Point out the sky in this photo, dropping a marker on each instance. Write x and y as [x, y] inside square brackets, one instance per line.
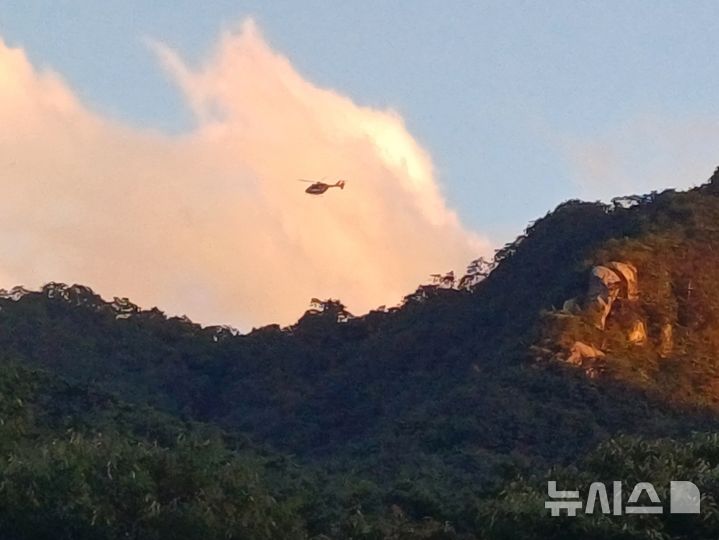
[153, 145]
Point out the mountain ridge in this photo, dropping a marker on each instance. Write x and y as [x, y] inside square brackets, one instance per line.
[432, 408]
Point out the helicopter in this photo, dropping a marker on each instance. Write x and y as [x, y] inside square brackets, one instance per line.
[318, 188]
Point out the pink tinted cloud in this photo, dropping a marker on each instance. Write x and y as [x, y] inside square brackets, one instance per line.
[212, 223]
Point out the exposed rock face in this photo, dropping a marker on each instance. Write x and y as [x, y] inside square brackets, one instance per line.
[627, 273]
[581, 352]
[606, 284]
[603, 290]
[638, 333]
[603, 282]
[609, 284]
[613, 289]
[571, 306]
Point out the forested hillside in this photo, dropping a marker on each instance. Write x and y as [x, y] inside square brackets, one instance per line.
[592, 346]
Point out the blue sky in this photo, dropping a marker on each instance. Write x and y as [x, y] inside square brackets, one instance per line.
[501, 93]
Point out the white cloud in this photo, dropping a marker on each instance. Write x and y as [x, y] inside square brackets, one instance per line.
[212, 223]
